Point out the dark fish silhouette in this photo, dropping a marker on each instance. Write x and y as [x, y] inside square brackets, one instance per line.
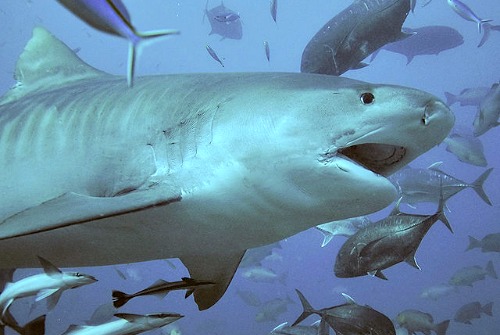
[267, 51]
[160, 288]
[225, 28]
[386, 243]
[429, 40]
[349, 318]
[212, 53]
[274, 9]
[353, 34]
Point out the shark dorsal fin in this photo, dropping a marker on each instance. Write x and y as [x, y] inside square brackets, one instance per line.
[46, 62]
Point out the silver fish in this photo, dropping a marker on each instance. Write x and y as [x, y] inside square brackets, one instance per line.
[464, 11]
[212, 53]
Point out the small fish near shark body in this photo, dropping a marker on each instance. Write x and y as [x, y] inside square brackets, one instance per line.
[161, 151]
[112, 17]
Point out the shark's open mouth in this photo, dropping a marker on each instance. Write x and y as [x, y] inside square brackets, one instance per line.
[378, 158]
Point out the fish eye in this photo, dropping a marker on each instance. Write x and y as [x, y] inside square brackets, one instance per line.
[367, 98]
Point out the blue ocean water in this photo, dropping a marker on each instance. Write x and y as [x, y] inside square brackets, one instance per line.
[308, 266]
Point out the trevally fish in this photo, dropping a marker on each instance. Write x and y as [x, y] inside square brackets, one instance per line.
[465, 12]
[273, 8]
[468, 275]
[128, 324]
[353, 34]
[50, 284]
[488, 112]
[422, 185]
[467, 97]
[112, 17]
[428, 40]
[489, 243]
[267, 51]
[436, 292]
[225, 28]
[349, 318]
[347, 227]
[160, 288]
[466, 148]
[197, 166]
[472, 310]
[416, 321]
[385, 243]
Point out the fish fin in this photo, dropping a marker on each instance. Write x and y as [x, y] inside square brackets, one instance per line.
[50, 292]
[74, 328]
[477, 186]
[327, 237]
[129, 316]
[403, 35]
[216, 268]
[490, 270]
[374, 54]
[441, 327]
[349, 299]
[378, 274]
[450, 98]
[488, 309]
[480, 24]
[360, 65]
[435, 166]
[412, 260]
[45, 63]
[366, 250]
[486, 35]
[49, 268]
[409, 58]
[188, 293]
[473, 243]
[396, 210]
[306, 306]
[135, 48]
[120, 298]
[72, 209]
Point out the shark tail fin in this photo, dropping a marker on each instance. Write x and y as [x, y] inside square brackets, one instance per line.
[477, 186]
[120, 298]
[308, 310]
[473, 243]
[490, 270]
[488, 309]
[135, 47]
[442, 327]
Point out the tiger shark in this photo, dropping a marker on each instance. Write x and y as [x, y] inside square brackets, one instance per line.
[196, 166]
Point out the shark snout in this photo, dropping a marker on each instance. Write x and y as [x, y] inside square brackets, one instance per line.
[437, 112]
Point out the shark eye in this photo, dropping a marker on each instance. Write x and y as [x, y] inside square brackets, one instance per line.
[367, 98]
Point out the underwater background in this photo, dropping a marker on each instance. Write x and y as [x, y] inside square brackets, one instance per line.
[300, 262]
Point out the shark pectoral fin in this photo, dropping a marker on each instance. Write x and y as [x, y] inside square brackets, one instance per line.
[218, 269]
[72, 208]
[52, 295]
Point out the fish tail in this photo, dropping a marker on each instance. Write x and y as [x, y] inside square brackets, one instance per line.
[480, 24]
[441, 215]
[450, 98]
[473, 243]
[488, 309]
[490, 270]
[135, 48]
[477, 186]
[308, 310]
[442, 327]
[120, 298]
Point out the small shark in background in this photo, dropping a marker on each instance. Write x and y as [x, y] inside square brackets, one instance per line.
[112, 17]
[160, 288]
[464, 11]
[52, 283]
[127, 324]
